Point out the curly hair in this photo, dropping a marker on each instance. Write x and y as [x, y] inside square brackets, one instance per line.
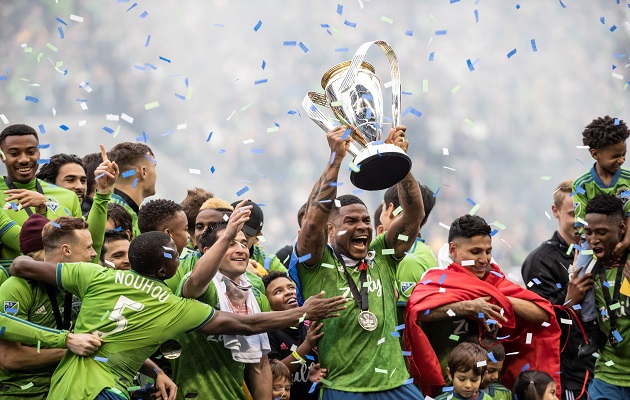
[48, 172]
[605, 204]
[154, 215]
[467, 227]
[120, 217]
[146, 252]
[606, 131]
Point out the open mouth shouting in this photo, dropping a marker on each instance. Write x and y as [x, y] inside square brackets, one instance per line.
[360, 242]
[291, 301]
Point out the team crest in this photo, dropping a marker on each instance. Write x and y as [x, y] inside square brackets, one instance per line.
[623, 193]
[52, 203]
[404, 286]
[11, 307]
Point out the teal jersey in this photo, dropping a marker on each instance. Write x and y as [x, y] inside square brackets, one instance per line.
[121, 199]
[450, 395]
[60, 202]
[497, 391]
[358, 360]
[590, 185]
[29, 301]
[206, 369]
[269, 261]
[133, 315]
[16, 329]
[613, 362]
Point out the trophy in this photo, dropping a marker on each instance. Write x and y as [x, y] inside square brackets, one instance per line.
[353, 92]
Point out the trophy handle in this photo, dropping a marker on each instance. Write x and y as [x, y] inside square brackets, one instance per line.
[320, 118]
[393, 66]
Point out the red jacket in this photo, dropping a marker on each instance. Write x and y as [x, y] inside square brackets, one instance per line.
[542, 354]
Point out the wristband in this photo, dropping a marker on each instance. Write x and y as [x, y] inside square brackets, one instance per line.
[298, 357]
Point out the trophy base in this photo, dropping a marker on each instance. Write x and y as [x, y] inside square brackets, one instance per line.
[381, 167]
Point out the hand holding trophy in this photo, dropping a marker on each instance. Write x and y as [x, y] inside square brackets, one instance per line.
[353, 92]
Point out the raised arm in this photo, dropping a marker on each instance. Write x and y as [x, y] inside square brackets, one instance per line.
[408, 222]
[312, 236]
[41, 271]
[208, 265]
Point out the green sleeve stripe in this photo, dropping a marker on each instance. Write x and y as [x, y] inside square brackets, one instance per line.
[59, 283]
[7, 227]
[204, 322]
[25, 322]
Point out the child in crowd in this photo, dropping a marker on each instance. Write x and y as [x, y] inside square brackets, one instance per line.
[534, 385]
[281, 380]
[466, 368]
[491, 383]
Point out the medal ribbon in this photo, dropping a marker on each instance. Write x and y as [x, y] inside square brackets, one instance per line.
[360, 297]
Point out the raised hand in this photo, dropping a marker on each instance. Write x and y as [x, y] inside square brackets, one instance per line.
[106, 174]
[239, 216]
[338, 145]
[318, 308]
[398, 137]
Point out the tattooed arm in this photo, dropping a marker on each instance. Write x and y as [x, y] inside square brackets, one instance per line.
[408, 221]
[312, 236]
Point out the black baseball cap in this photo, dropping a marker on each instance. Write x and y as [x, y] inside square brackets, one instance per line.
[255, 223]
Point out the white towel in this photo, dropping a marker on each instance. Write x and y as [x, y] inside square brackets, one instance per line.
[245, 349]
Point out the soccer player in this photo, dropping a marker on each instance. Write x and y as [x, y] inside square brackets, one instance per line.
[90, 162]
[134, 312]
[115, 252]
[137, 179]
[66, 171]
[119, 219]
[191, 205]
[363, 270]
[165, 215]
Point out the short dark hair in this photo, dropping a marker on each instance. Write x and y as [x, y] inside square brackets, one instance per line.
[128, 155]
[465, 356]
[468, 226]
[531, 384]
[279, 370]
[122, 219]
[494, 346]
[191, 205]
[377, 216]
[210, 235]
[91, 162]
[17, 130]
[606, 131]
[156, 214]
[146, 252]
[112, 235]
[345, 200]
[301, 213]
[273, 275]
[60, 231]
[391, 196]
[605, 204]
[48, 172]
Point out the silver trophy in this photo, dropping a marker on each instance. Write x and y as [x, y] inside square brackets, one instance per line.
[353, 92]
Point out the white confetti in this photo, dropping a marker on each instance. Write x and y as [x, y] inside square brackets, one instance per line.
[112, 117]
[380, 341]
[76, 18]
[547, 215]
[450, 313]
[468, 262]
[84, 105]
[194, 171]
[4, 119]
[82, 123]
[181, 126]
[248, 141]
[528, 338]
[444, 151]
[482, 363]
[566, 321]
[127, 118]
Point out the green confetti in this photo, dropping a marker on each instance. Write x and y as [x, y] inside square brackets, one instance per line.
[570, 249]
[273, 129]
[387, 19]
[614, 306]
[469, 122]
[51, 47]
[246, 106]
[39, 57]
[587, 252]
[432, 16]
[28, 49]
[39, 344]
[328, 266]
[397, 211]
[353, 167]
[545, 178]
[455, 89]
[454, 337]
[27, 386]
[302, 318]
[404, 238]
[189, 93]
[151, 106]
[498, 225]
[380, 371]
[132, 388]
[474, 209]
[425, 85]
[387, 252]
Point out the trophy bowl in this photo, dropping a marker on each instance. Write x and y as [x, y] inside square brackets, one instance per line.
[353, 92]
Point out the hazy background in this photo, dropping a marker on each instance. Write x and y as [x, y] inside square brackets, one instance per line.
[511, 126]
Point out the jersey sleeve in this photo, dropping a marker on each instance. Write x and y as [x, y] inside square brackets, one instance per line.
[579, 203]
[9, 236]
[76, 277]
[97, 220]
[275, 264]
[16, 297]
[18, 330]
[195, 315]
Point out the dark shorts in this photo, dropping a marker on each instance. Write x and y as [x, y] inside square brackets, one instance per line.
[404, 392]
[107, 395]
[600, 390]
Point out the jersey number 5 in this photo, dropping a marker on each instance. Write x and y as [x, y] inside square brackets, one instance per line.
[117, 315]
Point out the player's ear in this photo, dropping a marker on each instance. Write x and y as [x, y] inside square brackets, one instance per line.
[65, 249]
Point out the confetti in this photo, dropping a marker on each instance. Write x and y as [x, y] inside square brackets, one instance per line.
[386, 252]
[397, 211]
[27, 386]
[194, 171]
[350, 24]
[167, 255]
[151, 106]
[454, 337]
[387, 19]
[258, 82]
[511, 53]
[76, 18]
[127, 174]
[258, 25]
[32, 99]
[100, 359]
[528, 338]
[441, 32]
[5, 119]
[482, 363]
[432, 56]
[242, 191]
[450, 313]
[303, 47]
[382, 371]
[339, 9]
[412, 111]
[533, 43]
[470, 65]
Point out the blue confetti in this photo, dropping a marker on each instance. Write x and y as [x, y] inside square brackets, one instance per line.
[536, 281]
[616, 122]
[350, 24]
[413, 111]
[304, 258]
[346, 134]
[129, 173]
[339, 9]
[518, 6]
[408, 381]
[242, 191]
[150, 66]
[168, 255]
[476, 16]
[426, 282]
[341, 50]
[511, 53]
[181, 97]
[470, 65]
[431, 56]
[43, 145]
[436, 192]
[494, 232]
[43, 161]
[406, 353]
[135, 182]
[144, 14]
[108, 129]
[481, 315]
[534, 48]
[212, 169]
[60, 29]
[468, 199]
[525, 367]
[264, 64]
[3, 77]
[602, 20]
[64, 127]
[209, 137]
[562, 4]
[147, 42]
[291, 43]
[407, 93]
[101, 359]
[400, 327]
[165, 59]
[409, 33]
[258, 82]
[142, 138]
[311, 390]
[141, 68]
[257, 151]
[441, 32]
[32, 99]
[62, 21]
[442, 278]
[617, 335]
[132, 6]
[395, 334]
[577, 307]
[613, 28]
[491, 357]
[303, 47]
[559, 285]
[258, 25]
[56, 225]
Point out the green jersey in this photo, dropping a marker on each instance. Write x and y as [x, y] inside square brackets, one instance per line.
[269, 261]
[60, 202]
[450, 395]
[613, 362]
[97, 221]
[29, 301]
[410, 270]
[18, 330]
[590, 185]
[9, 238]
[130, 206]
[206, 369]
[358, 360]
[4, 274]
[497, 391]
[133, 314]
[187, 264]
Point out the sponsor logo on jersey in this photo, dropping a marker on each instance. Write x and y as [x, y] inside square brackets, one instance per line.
[11, 307]
[52, 203]
[41, 310]
[404, 286]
